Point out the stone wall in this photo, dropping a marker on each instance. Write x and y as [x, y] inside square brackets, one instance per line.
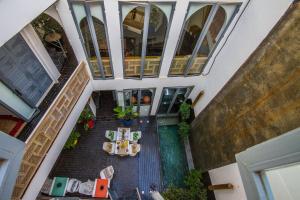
[45, 133]
[260, 102]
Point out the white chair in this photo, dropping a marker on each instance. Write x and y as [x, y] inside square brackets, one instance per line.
[109, 147]
[134, 149]
[111, 135]
[107, 173]
[86, 187]
[73, 185]
[135, 136]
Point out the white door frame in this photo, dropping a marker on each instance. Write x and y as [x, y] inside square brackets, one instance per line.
[11, 154]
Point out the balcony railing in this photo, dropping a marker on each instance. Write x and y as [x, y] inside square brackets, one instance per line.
[151, 68]
[179, 64]
[46, 131]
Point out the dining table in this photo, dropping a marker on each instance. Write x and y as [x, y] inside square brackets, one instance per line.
[122, 147]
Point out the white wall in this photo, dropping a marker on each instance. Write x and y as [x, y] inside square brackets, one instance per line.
[16, 14]
[52, 155]
[244, 39]
[284, 182]
[228, 174]
[254, 25]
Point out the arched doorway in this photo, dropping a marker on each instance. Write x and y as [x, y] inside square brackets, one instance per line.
[55, 41]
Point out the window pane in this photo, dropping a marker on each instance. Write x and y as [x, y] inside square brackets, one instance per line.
[146, 101]
[98, 21]
[158, 26]
[179, 99]
[133, 26]
[209, 41]
[81, 19]
[192, 29]
[127, 97]
[168, 94]
[283, 182]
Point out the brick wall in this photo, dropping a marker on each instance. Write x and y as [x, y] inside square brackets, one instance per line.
[261, 101]
[45, 133]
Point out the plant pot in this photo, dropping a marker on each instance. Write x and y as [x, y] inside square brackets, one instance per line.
[146, 100]
[127, 122]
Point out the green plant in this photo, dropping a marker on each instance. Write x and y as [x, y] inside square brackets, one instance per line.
[184, 129]
[193, 190]
[125, 113]
[185, 111]
[87, 119]
[72, 140]
[174, 193]
[193, 181]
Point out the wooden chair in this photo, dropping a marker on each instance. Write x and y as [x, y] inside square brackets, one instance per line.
[134, 149]
[109, 147]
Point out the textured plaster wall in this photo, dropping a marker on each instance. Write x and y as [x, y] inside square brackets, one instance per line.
[260, 102]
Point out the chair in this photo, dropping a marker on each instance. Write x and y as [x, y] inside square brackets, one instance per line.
[86, 187]
[134, 149]
[109, 147]
[73, 185]
[111, 135]
[47, 186]
[135, 136]
[107, 173]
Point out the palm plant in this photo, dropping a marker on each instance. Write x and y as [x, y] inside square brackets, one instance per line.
[125, 113]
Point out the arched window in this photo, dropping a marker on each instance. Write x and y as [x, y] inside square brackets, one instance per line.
[204, 26]
[144, 30]
[91, 23]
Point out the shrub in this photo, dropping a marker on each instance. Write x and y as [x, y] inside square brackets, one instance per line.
[193, 190]
[193, 181]
[185, 111]
[72, 140]
[184, 129]
[173, 193]
[87, 119]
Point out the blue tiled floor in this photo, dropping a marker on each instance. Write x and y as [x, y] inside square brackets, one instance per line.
[87, 159]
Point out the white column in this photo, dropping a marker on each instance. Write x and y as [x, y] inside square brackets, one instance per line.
[114, 36]
[70, 29]
[37, 47]
[173, 37]
[156, 100]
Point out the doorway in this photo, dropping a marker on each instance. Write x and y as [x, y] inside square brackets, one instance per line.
[140, 99]
[171, 100]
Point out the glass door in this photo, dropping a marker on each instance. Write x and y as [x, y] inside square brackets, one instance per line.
[171, 100]
[140, 99]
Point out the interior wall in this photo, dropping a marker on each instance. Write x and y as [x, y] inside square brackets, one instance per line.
[228, 174]
[15, 15]
[284, 182]
[260, 102]
[4, 111]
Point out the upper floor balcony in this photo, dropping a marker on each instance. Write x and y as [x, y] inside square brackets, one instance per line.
[144, 31]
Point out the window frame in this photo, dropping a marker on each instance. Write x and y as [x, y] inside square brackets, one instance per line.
[187, 94]
[147, 6]
[94, 37]
[276, 152]
[203, 34]
[139, 97]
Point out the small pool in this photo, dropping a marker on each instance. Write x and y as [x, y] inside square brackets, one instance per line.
[173, 158]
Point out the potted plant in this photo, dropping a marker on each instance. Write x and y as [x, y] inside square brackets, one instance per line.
[72, 140]
[87, 119]
[126, 115]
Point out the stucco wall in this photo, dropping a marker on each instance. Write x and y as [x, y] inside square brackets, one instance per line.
[261, 101]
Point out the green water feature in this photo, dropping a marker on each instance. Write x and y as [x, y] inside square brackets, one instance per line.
[173, 158]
